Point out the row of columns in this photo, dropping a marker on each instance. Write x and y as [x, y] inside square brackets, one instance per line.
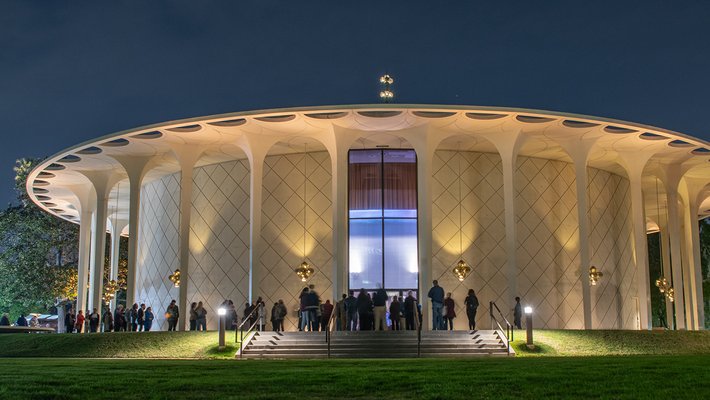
[94, 204]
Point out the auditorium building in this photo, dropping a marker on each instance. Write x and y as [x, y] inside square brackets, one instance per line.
[552, 207]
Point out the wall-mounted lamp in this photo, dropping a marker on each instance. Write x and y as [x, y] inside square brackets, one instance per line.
[594, 275]
[175, 278]
[665, 288]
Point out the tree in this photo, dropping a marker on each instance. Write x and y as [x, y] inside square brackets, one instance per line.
[38, 253]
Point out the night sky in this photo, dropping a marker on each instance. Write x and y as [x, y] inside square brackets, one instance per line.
[73, 71]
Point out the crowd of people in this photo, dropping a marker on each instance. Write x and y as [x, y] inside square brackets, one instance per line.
[136, 319]
[21, 321]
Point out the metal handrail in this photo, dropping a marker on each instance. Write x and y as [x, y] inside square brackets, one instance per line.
[508, 327]
[328, 328]
[419, 331]
[240, 330]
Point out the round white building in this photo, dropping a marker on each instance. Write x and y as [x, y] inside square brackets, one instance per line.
[392, 195]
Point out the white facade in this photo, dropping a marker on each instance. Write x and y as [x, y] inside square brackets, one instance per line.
[543, 197]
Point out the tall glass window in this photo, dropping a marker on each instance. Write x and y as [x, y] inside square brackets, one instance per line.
[382, 193]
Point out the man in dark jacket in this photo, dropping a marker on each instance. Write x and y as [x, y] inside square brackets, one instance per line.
[436, 294]
[410, 309]
[380, 303]
[363, 308]
[350, 312]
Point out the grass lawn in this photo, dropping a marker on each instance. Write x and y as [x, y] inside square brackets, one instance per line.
[633, 377]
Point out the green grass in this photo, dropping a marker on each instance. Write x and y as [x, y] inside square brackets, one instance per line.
[599, 343]
[632, 377]
[117, 345]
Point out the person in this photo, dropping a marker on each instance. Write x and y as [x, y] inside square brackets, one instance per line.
[93, 321]
[326, 312]
[5, 320]
[141, 317]
[518, 314]
[173, 315]
[471, 308]
[108, 321]
[379, 302]
[282, 314]
[133, 317]
[148, 320]
[21, 321]
[248, 310]
[119, 320]
[69, 321]
[261, 314]
[363, 308]
[341, 317]
[450, 314]
[304, 312]
[274, 313]
[394, 313]
[314, 308]
[34, 322]
[410, 308]
[201, 317]
[193, 316]
[436, 294]
[79, 321]
[351, 312]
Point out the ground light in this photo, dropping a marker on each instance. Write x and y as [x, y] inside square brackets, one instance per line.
[529, 327]
[222, 312]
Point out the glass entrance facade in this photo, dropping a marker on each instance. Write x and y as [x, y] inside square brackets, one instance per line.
[382, 203]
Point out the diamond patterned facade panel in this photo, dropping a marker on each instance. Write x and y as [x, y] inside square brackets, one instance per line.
[158, 246]
[282, 231]
[219, 237]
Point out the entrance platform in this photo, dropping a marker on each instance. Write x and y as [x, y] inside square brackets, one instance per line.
[371, 344]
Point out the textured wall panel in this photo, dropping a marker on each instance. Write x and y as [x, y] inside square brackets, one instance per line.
[219, 237]
[282, 229]
[158, 246]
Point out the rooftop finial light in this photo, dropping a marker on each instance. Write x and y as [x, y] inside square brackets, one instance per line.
[386, 94]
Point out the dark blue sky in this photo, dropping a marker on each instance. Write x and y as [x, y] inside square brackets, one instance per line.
[72, 71]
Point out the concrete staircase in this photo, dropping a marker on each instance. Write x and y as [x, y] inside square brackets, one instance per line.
[370, 344]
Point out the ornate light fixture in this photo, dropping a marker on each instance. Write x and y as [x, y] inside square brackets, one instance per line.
[175, 278]
[304, 271]
[461, 270]
[594, 275]
[386, 94]
[110, 289]
[665, 288]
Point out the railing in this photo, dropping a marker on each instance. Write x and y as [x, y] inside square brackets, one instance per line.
[418, 323]
[508, 327]
[328, 329]
[240, 330]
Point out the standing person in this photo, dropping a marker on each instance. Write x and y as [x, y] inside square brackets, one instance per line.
[93, 321]
[201, 317]
[141, 317]
[281, 312]
[450, 307]
[303, 312]
[379, 302]
[363, 309]
[436, 294]
[410, 309]
[326, 312]
[119, 321]
[69, 321]
[148, 320]
[261, 314]
[5, 320]
[394, 313]
[79, 321]
[232, 311]
[173, 315]
[21, 321]
[274, 313]
[471, 308]
[518, 314]
[107, 320]
[133, 317]
[193, 316]
[341, 317]
[351, 312]
[248, 308]
[314, 307]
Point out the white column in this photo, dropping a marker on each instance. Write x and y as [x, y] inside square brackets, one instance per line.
[116, 228]
[634, 163]
[579, 150]
[666, 266]
[92, 261]
[255, 199]
[187, 155]
[339, 163]
[99, 243]
[84, 256]
[671, 182]
[693, 281]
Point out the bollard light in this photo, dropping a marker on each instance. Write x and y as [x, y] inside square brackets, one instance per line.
[529, 327]
[221, 312]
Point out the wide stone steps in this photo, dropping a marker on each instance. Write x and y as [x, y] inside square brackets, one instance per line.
[369, 344]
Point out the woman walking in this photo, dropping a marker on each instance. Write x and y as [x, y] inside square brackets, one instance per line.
[471, 307]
